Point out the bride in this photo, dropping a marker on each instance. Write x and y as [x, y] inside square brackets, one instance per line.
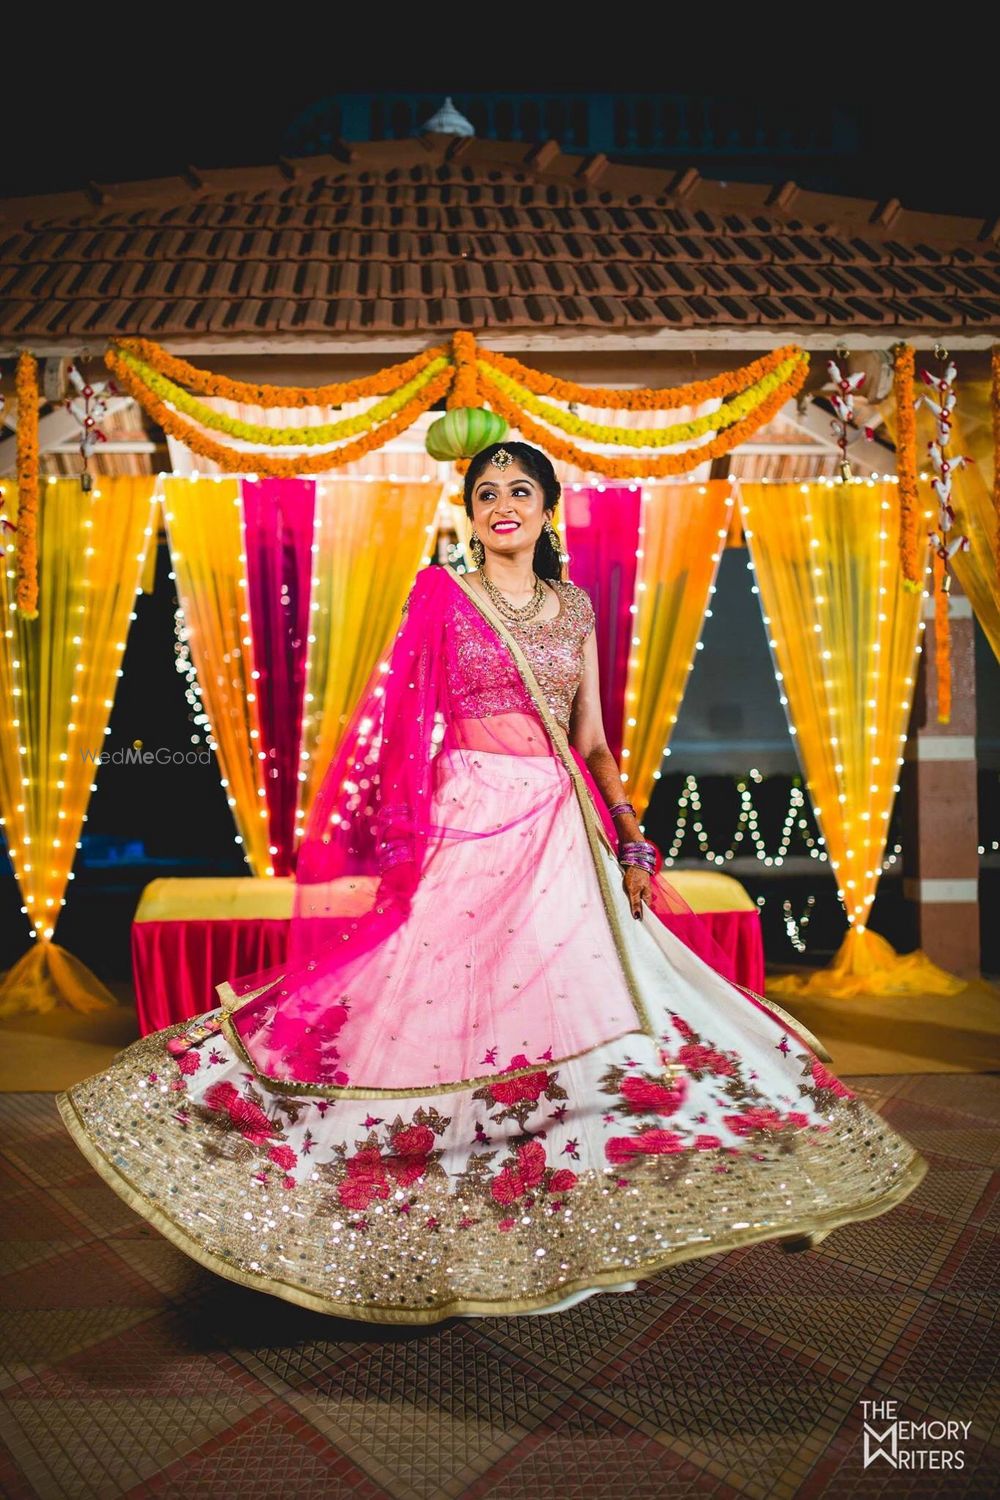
[489, 1077]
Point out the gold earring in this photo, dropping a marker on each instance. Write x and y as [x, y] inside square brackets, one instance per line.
[477, 550]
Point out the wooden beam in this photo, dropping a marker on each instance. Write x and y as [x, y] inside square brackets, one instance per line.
[738, 342]
[871, 457]
[54, 429]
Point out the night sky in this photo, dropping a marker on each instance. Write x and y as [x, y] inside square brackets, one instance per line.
[227, 103]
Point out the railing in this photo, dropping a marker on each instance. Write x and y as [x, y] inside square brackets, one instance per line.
[633, 124]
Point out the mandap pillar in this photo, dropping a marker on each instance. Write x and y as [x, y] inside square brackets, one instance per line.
[940, 801]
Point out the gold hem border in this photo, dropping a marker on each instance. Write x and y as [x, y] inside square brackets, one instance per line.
[377, 1313]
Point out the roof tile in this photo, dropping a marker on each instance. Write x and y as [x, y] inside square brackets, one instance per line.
[410, 235]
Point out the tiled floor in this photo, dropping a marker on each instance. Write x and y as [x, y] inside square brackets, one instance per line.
[126, 1369]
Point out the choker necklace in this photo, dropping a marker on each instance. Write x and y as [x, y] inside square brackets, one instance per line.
[515, 614]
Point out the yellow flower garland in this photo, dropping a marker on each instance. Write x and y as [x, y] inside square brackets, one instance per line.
[643, 437]
[26, 542]
[282, 437]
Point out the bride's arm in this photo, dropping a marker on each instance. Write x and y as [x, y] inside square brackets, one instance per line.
[586, 734]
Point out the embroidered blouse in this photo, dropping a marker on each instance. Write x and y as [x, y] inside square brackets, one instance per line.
[554, 649]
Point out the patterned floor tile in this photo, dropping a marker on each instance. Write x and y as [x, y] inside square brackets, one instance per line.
[426, 1418]
[904, 1246]
[268, 1455]
[945, 1132]
[939, 1474]
[849, 1322]
[965, 1093]
[120, 1410]
[742, 1405]
[593, 1456]
[945, 1365]
[127, 1369]
[971, 1272]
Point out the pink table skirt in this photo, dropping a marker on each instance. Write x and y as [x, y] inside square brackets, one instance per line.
[177, 964]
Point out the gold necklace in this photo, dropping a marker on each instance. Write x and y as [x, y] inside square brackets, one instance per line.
[516, 614]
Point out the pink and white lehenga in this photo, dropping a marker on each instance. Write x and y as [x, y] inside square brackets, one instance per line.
[478, 1085]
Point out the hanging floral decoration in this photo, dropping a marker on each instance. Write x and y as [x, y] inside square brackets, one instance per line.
[725, 416]
[945, 463]
[89, 407]
[744, 416]
[235, 461]
[913, 562]
[944, 543]
[322, 434]
[26, 547]
[942, 640]
[843, 388]
[245, 393]
[667, 398]
[470, 379]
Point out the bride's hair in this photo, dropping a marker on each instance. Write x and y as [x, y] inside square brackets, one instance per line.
[534, 462]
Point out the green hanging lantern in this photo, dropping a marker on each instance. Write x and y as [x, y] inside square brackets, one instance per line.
[464, 432]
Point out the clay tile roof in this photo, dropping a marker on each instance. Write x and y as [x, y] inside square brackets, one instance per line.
[421, 236]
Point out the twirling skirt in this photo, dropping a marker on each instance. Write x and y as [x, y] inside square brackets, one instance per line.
[518, 1196]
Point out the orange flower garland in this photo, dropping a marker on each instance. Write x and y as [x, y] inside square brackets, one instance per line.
[942, 642]
[236, 462]
[465, 391]
[906, 466]
[339, 394]
[662, 465]
[468, 381]
[26, 547]
[650, 399]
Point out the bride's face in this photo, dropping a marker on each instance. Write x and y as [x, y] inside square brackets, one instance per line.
[508, 510]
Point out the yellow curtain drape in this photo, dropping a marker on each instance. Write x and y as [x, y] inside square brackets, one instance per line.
[972, 490]
[844, 634]
[370, 539]
[972, 496]
[204, 521]
[57, 682]
[682, 531]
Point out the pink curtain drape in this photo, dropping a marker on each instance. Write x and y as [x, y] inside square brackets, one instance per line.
[602, 537]
[279, 516]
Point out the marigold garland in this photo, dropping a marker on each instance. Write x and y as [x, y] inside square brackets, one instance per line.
[204, 383]
[665, 465]
[465, 390]
[26, 545]
[467, 375]
[668, 398]
[282, 437]
[726, 415]
[233, 461]
[942, 641]
[906, 467]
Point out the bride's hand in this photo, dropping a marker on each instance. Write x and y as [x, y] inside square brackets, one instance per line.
[638, 886]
